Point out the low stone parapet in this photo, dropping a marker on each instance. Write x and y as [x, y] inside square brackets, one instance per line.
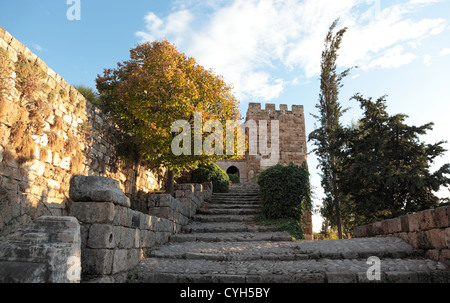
[114, 238]
[166, 206]
[428, 230]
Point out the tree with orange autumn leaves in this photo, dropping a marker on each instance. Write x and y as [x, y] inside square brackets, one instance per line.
[157, 86]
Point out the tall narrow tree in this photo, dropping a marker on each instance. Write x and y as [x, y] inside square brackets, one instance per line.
[330, 111]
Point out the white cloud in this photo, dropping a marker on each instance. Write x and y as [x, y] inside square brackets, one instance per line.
[427, 60]
[247, 41]
[444, 52]
[392, 58]
[37, 47]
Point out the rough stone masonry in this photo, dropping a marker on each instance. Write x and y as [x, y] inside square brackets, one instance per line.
[47, 250]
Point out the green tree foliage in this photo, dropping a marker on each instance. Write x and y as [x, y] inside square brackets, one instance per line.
[234, 178]
[212, 173]
[386, 171]
[157, 86]
[284, 192]
[330, 111]
[89, 94]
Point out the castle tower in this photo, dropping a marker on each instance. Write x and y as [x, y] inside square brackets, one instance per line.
[292, 135]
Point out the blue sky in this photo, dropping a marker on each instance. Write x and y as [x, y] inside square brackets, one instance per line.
[269, 50]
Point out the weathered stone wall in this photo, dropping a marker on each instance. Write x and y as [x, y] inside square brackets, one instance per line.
[68, 135]
[428, 230]
[46, 250]
[114, 238]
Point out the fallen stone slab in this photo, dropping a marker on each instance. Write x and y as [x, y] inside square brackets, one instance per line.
[97, 189]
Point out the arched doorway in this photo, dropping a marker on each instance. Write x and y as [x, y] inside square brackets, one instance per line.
[233, 170]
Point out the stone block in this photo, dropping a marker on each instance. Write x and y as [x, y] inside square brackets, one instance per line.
[445, 256]
[412, 239]
[442, 216]
[121, 215]
[101, 236]
[447, 237]
[17, 46]
[2, 32]
[97, 261]
[93, 212]
[413, 222]
[147, 238]
[394, 225]
[385, 227]
[377, 228]
[162, 212]
[360, 231]
[97, 189]
[145, 221]
[404, 223]
[432, 254]
[436, 237]
[423, 241]
[127, 237]
[426, 220]
[134, 218]
[7, 37]
[125, 259]
[22, 272]
[47, 244]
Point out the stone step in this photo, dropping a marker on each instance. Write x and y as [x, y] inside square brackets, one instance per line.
[285, 250]
[237, 194]
[236, 201]
[161, 270]
[228, 211]
[224, 218]
[228, 206]
[241, 195]
[231, 237]
[200, 227]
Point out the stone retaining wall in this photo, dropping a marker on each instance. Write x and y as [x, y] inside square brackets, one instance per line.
[67, 135]
[114, 238]
[428, 230]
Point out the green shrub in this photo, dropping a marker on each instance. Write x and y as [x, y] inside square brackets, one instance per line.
[234, 178]
[284, 192]
[212, 173]
[293, 227]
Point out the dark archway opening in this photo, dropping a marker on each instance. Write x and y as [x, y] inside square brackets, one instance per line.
[233, 170]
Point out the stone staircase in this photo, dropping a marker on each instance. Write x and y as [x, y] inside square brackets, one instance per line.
[223, 244]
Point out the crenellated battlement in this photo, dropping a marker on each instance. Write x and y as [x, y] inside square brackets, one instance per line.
[255, 109]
